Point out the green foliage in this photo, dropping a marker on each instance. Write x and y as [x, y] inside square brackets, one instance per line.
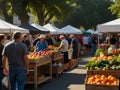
[89, 13]
[115, 8]
[104, 64]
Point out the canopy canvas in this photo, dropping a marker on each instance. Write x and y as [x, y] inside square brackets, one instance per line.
[90, 31]
[40, 28]
[112, 26]
[6, 27]
[32, 29]
[52, 29]
[70, 30]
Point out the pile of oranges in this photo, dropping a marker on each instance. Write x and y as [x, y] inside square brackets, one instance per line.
[102, 80]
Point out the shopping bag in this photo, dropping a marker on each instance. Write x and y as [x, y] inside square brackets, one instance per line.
[70, 52]
[5, 81]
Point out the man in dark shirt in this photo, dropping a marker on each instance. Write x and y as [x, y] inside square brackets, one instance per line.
[74, 45]
[26, 41]
[94, 44]
[2, 40]
[16, 52]
[113, 40]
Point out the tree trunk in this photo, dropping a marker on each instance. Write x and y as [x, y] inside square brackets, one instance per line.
[8, 18]
[24, 18]
[48, 20]
[40, 17]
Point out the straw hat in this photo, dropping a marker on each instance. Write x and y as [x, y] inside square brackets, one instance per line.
[71, 36]
[42, 36]
[61, 36]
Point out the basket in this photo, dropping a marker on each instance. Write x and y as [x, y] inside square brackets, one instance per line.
[115, 73]
[99, 87]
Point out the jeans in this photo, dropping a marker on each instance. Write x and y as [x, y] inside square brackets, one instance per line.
[1, 77]
[17, 78]
[93, 49]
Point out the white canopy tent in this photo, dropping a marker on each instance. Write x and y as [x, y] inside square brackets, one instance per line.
[52, 29]
[112, 26]
[90, 31]
[39, 27]
[70, 30]
[97, 32]
[6, 27]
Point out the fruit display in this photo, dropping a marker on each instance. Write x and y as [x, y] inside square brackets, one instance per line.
[113, 64]
[38, 55]
[115, 51]
[41, 54]
[102, 80]
[52, 47]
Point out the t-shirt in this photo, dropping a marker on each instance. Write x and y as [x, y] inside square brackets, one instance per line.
[85, 40]
[15, 51]
[94, 40]
[41, 46]
[64, 42]
[27, 43]
[49, 41]
[1, 49]
[113, 41]
[75, 44]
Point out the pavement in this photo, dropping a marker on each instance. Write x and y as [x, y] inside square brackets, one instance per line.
[70, 80]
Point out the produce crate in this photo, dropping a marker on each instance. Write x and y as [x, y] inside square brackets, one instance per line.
[57, 70]
[115, 73]
[99, 87]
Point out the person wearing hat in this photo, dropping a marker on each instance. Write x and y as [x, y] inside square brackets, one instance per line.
[15, 52]
[64, 49]
[41, 44]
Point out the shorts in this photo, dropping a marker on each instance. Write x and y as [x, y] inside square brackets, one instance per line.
[65, 57]
[75, 54]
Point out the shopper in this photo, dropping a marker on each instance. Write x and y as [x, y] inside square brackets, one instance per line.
[64, 49]
[113, 42]
[74, 46]
[2, 41]
[16, 53]
[26, 41]
[41, 44]
[94, 44]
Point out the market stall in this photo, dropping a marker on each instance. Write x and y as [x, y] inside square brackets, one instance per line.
[32, 29]
[42, 66]
[70, 30]
[52, 29]
[103, 70]
[40, 27]
[6, 27]
[112, 26]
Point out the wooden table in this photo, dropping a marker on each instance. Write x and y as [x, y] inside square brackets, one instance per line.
[34, 64]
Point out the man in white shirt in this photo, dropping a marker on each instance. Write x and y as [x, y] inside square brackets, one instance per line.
[64, 49]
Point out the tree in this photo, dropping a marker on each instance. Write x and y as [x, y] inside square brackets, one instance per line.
[42, 10]
[50, 10]
[89, 13]
[115, 8]
[19, 8]
[4, 7]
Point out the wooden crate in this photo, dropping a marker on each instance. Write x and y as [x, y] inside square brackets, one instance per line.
[99, 87]
[115, 73]
[57, 70]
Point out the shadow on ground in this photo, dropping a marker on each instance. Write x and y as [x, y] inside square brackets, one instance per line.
[61, 83]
